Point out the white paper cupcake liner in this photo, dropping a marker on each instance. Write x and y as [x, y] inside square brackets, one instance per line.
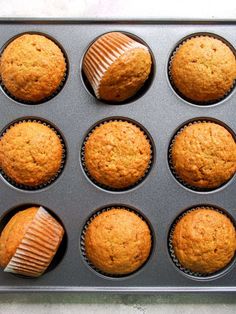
[38, 246]
[103, 53]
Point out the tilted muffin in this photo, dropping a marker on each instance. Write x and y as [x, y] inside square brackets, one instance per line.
[116, 66]
[117, 241]
[32, 67]
[29, 242]
[203, 155]
[203, 69]
[31, 153]
[117, 154]
[204, 240]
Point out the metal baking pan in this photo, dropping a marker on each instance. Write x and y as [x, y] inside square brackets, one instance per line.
[160, 198]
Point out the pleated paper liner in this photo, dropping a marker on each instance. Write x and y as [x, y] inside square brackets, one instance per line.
[148, 137]
[40, 186]
[97, 213]
[197, 275]
[184, 126]
[38, 246]
[54, 93]
[184, 40]
[103, 53]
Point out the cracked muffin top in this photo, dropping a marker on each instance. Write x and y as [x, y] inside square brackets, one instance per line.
[32, 67]
[203, 155]
[204, 240]
[117, 154]
[203, 69]
[117, 241]
[30, 153]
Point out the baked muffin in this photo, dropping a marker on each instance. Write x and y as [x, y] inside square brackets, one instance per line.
[29, 242]
[203, 69]
[117, 154]
[32, 68]
[204, 241]
[203, 155]
[31, 153]
[116, 66]
[117, 242]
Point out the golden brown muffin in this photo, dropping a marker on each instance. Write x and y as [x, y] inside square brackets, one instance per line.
[203, 69]
[117, 242]
[116, 66]
[204, 155]
[204, 241]
[30, 153]
[32, 67]
[117, 154]
[29, 242]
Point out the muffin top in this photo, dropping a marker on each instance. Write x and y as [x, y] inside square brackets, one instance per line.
[117, 66]
[117, 241]
[32, 67]
[13, 234]
[30, 153]
[117, 154]
[204, 240]
[203, 69]
[204, 155]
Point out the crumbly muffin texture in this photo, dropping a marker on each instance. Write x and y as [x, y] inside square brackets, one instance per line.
[13, 234]
[117, 242]
[32, 67]
[203, 69]
[30, 153]
[117, 154]
[204, 241]
[203, 155]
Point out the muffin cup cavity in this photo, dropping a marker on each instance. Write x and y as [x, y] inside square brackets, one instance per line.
[188, 272]
[35, 256]
[28, 259]
[179, 44]
[90, 219]
[94, 65]
[63, 161]
[183, 127]
[105, 187]
[62, 83]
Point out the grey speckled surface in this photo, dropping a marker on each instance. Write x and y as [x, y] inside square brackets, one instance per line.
[107, 303]
[110, 303]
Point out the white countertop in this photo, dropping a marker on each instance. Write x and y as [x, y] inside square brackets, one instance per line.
[208, 9]
[105, 303]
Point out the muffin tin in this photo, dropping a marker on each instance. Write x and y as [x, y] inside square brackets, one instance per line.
[160, 198]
